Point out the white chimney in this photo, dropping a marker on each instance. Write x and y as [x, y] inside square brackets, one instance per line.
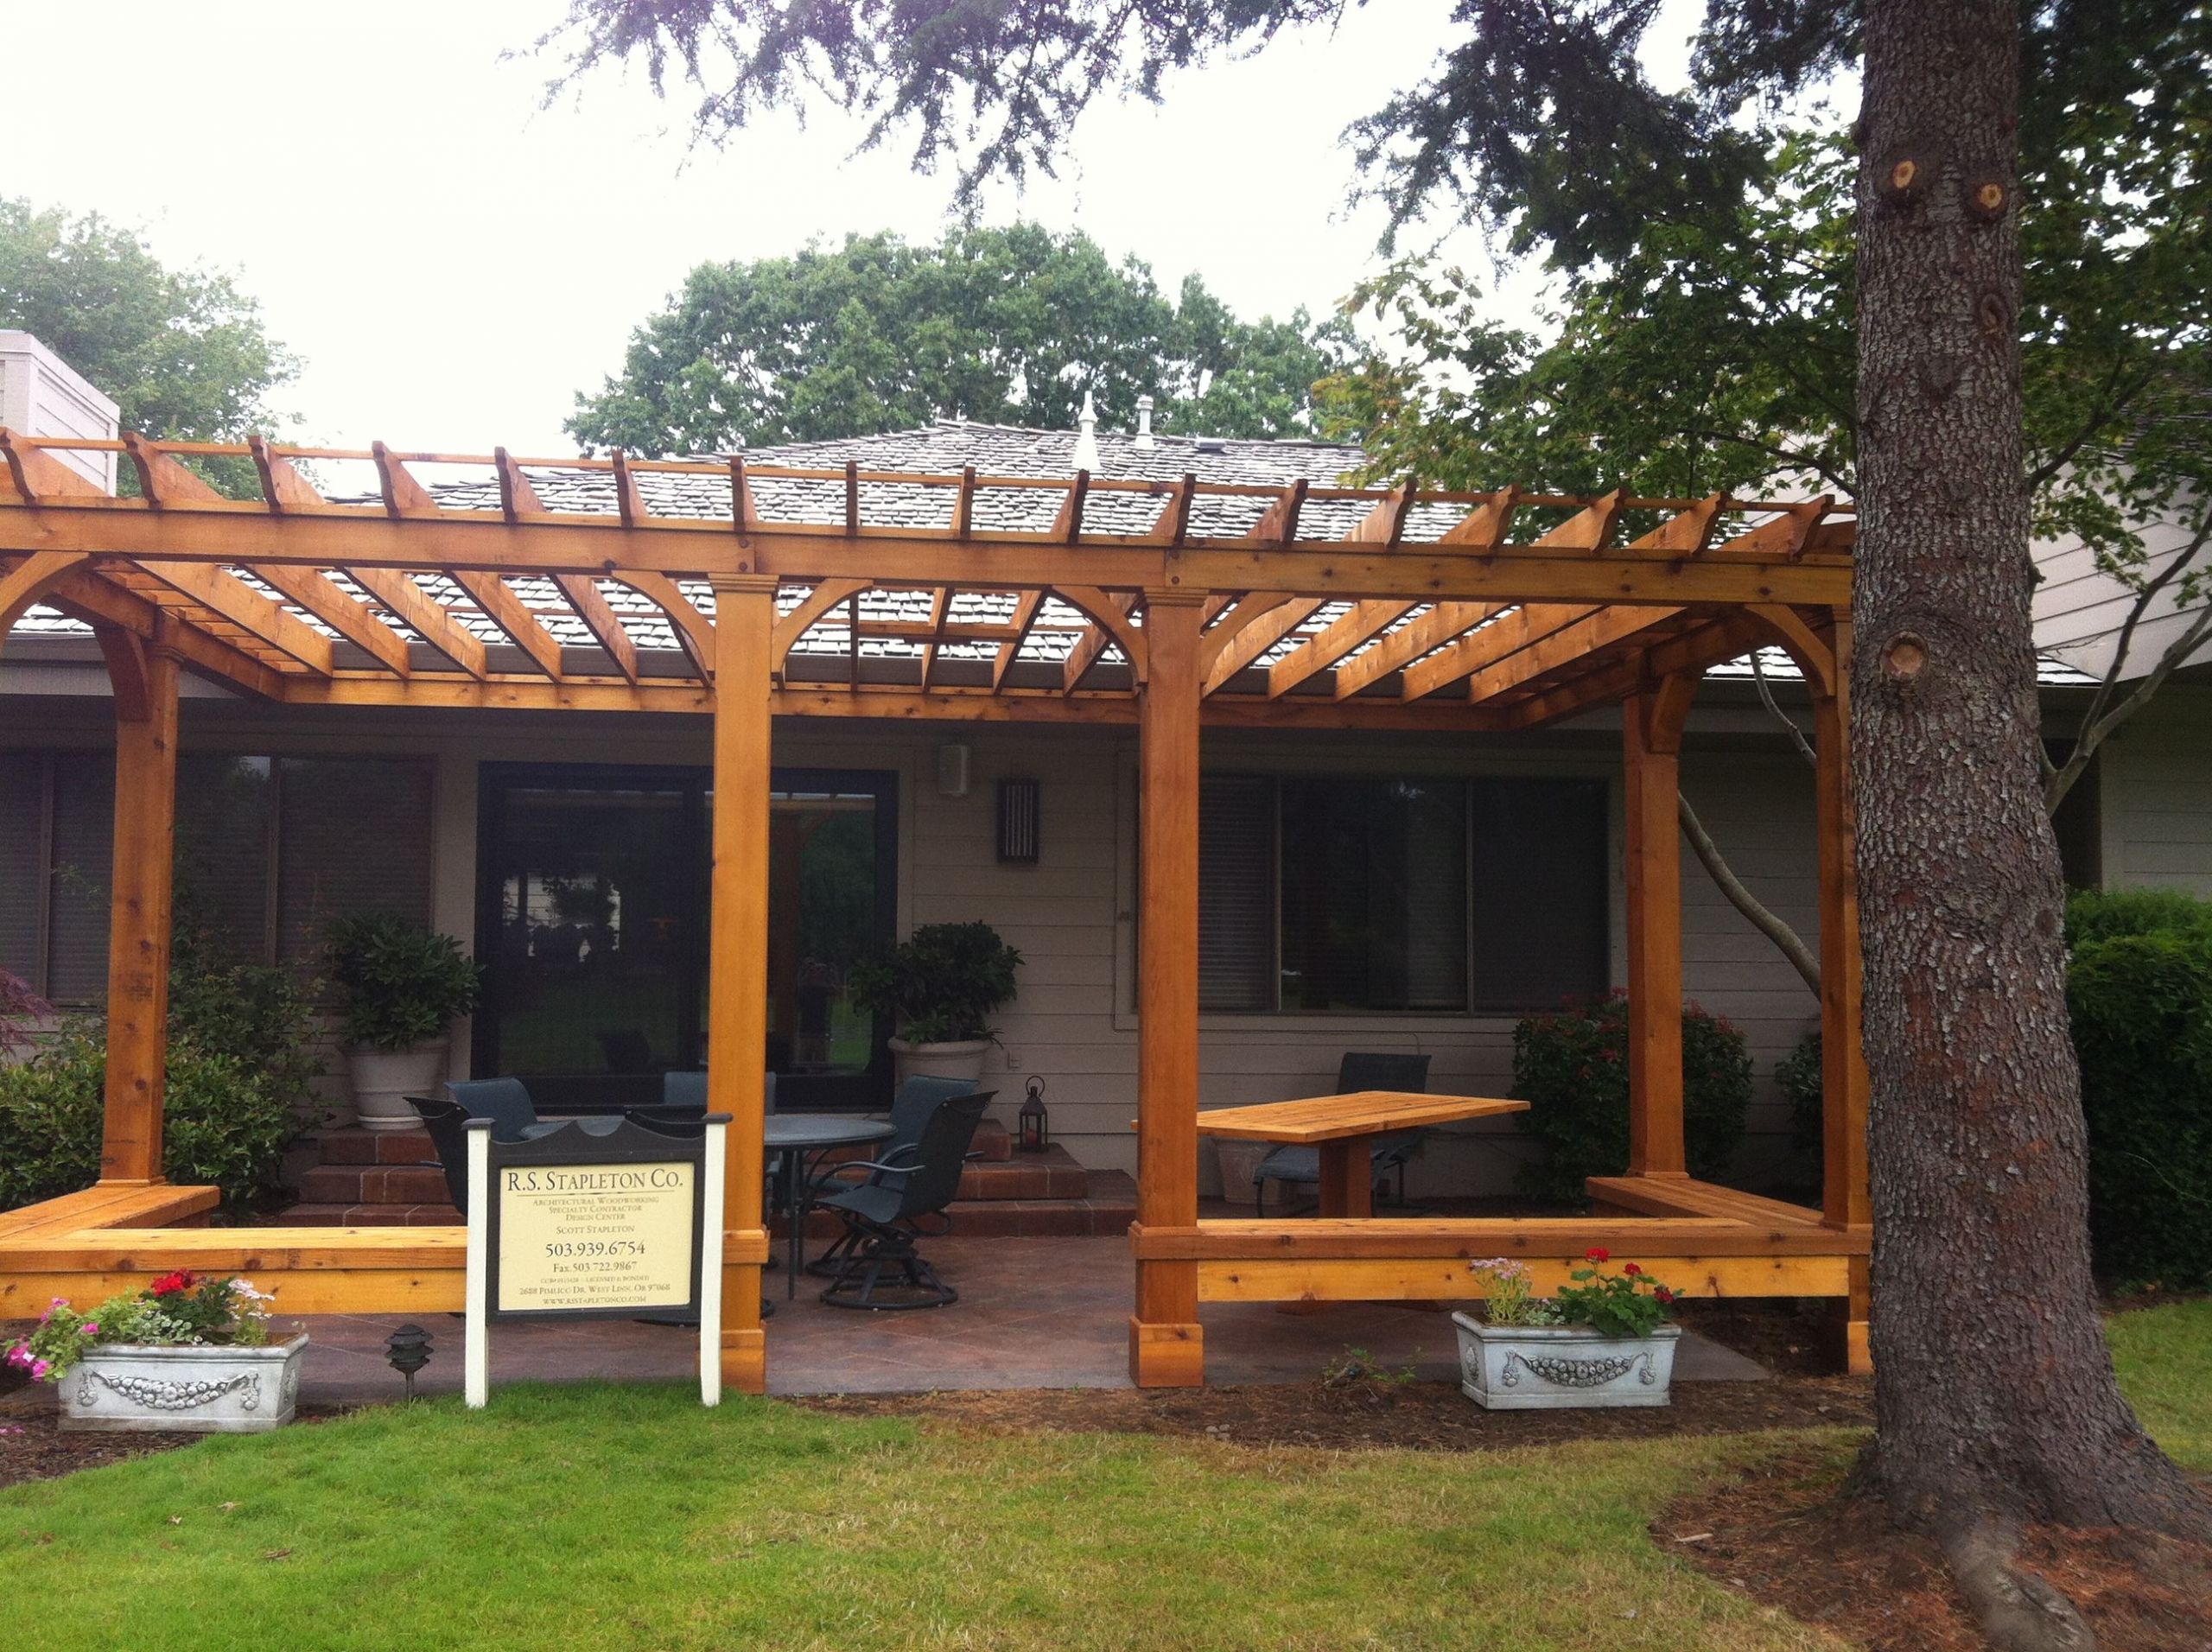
[1144, 423]
[1085, 456]
[42, 395]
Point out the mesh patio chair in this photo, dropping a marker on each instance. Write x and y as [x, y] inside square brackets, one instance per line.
[686, 1092]
[910, 1110]
[882, 1269]
[1300, 1165]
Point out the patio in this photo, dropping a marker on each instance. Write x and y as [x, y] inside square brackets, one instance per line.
[1034, 1313]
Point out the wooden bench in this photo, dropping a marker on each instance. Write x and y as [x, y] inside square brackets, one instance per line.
[1681, 1196]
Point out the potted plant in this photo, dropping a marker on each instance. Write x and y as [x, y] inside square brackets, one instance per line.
[941, 983]
[1602, 1341]
[186, 1355]
[400, 987]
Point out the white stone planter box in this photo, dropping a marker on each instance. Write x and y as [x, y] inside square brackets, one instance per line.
[131, 1388]
[1540, 1367]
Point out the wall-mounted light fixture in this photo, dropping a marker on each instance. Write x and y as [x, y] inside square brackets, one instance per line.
[1017, 811]
[952, 769]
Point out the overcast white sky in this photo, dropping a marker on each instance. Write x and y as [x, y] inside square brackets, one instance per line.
[452, 262]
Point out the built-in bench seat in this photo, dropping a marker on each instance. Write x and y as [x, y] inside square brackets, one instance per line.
[109, 1204]
[1665, 1196]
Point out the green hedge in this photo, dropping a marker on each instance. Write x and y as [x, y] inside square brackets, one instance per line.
[1572, 1069]
[2142, 1013]
[2103, 914]
[223, 1123]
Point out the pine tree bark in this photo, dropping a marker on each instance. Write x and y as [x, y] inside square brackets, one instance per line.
[1994, 1388]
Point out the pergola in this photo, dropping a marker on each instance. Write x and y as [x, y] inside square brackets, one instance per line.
[1170, 604]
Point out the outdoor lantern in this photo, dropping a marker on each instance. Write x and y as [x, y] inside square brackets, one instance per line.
[1032, 1134]
[409, 1350]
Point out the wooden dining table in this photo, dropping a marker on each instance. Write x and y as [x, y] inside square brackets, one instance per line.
[1344, 1128]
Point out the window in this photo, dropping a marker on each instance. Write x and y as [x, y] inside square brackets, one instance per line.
[267, 850]
[1343, 893]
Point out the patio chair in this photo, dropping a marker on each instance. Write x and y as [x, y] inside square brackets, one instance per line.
[880, 1218]
[505, 1101]
[446, 1124]
[910, 1110]
[1300, 1165]
[686, 1092]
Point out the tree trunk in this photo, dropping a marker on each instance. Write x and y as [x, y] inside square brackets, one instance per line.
[1993, 1386]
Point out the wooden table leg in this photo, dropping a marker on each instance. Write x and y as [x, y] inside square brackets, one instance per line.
[1347, 1177]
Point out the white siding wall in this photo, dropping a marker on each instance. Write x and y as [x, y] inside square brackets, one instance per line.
[1070, 913]
[2156, 794]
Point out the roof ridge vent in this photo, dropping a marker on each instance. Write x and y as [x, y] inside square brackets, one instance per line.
[1144, 424]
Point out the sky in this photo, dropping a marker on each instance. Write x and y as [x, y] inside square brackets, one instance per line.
[452, 259]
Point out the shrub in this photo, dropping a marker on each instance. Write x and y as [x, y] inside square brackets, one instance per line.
[942, 982]
[224, 1123]
[1799, 1077]
[20, 1010]
[2141, 1005]
[2101, 914]
[1571, 1067]
[399, 984]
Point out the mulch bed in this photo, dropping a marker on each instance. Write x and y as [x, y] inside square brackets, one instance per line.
[1369, 1413]
[1782, 1533]
[33, 1447]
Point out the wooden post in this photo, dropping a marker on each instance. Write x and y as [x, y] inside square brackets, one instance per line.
[1844, 1199]
[737, 954]
[1651, 726]
[1166, 1349]
[144, 679]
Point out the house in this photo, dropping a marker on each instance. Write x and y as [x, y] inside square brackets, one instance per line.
[1435, 790]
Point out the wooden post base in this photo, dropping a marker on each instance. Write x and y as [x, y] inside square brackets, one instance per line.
[1166, 1356]
[744, 1359]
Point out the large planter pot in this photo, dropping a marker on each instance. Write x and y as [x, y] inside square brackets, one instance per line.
[1541, 1368]
[962, 1060]
[129, 1387]
[384, 1079]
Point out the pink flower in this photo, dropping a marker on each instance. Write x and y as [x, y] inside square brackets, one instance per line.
[90, 1328]
[39, 1368]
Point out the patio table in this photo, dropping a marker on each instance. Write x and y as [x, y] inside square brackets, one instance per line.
[1343, 1128]
[792, 1136]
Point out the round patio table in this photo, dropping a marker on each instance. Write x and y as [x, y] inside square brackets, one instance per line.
[791, 1137]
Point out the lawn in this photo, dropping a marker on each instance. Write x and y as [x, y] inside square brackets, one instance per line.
[626, 1517]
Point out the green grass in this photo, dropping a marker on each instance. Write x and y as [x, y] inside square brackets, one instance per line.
[2165, 1359]
[597, 1516]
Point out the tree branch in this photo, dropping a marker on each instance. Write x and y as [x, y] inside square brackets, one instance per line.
[1793, 946]
[1766, 695]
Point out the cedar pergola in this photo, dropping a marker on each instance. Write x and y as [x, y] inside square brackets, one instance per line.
[1171, 606]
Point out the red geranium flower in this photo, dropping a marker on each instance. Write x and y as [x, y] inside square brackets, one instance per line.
[1596, 1253]
[1631, 1268]
[1663, 1294]
[170, 1284]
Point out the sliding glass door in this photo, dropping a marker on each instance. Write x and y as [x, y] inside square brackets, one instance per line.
[593, 922]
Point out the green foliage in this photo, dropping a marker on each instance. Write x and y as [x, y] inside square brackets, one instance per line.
[224, 1122]
[399, 983]
[1508, 1294]
[178, 1310]
[20, 1009]
[1627, 1303]
[1800, 1079]
[942, 982]
[1571, 1067]
[2141, 1006]
[2104, 914]
[183, 352]
[1010, 324]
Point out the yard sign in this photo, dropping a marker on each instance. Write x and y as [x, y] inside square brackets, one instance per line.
[588, 1221]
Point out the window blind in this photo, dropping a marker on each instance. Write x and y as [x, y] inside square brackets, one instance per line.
[1236, 892]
